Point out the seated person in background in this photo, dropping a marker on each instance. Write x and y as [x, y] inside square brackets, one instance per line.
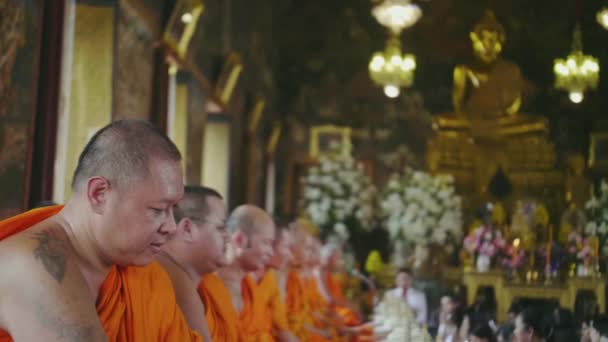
[533, 324]
[506, 330]
[66, 272]
[198, 248]
[482, 333]
[483, 310]
[438, 317]
[598, 329]
[415, 299]
[564, 327]
[455, 328]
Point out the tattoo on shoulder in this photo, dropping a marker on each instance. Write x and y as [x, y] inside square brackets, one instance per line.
[52, 251]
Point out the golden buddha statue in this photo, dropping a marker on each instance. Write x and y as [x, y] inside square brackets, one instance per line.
[486, 132]
[487, 94]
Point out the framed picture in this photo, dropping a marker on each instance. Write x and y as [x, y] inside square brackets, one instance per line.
[324, 138]
[598, 151]
[182, 25]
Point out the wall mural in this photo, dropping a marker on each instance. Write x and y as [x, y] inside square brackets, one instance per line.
[137, 27]
[20, 30]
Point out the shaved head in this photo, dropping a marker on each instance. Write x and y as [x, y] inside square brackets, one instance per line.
[253, 235]
[121, 152]
[281, 226]
[195, 202]
[246, 218]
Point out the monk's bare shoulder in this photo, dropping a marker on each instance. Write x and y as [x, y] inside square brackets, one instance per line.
[45, 243]
[42, 292]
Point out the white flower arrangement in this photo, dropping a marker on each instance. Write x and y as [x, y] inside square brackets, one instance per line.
[597, 215]
[421, 208]
[394, 321]
[338, 196]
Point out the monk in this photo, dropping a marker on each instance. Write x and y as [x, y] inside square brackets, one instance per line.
[198, 248]
[303, 320]
[269, 286]
[67, 273]
[228, 295]
[331, 288]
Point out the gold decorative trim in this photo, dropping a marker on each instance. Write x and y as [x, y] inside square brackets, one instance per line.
[275, 135]
[256, 113]
[228, 77]
[193, 8]
[596, 139]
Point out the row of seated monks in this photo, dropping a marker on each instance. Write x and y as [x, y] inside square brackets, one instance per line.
[136, 256]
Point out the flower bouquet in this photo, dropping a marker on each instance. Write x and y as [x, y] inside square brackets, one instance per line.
[338, 196]
[486, 243]
[597, 215]
[581, 252]
[420, 208]
[422, 211]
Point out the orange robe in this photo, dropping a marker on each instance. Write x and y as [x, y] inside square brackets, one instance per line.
[333, 282]
[271, 308]
[134, 303]
[297, 309]
[222, 318]
[315, 299]
[317, 304]
[225, 323]
[334, 287]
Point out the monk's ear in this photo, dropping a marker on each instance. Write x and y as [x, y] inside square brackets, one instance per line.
[97, 193]
[239, 239]
[186, 229]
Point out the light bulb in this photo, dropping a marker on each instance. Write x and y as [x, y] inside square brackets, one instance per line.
[186, 17]
[377, 63]
[391, 91]
[602, 17]
[576, 96]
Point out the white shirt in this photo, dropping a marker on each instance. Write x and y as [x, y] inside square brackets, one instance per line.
[415, 299]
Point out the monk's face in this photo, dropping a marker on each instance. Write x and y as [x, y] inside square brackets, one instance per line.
[210, 238]
[299, 249]
[313, 255]
[259, 248]
[137, 219]
[334, 262]
[282, 254]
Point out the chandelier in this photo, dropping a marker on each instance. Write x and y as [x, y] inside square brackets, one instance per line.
[396, 15]
[602, 17]
[577, 72]
[391, 69]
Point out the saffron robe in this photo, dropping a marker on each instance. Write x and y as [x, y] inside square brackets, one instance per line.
[271, 311]
[134, 303]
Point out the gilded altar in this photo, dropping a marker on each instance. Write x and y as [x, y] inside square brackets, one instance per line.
[506, 292]
[486, 135]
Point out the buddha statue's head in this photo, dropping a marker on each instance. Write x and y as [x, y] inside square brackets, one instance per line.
[488, 37]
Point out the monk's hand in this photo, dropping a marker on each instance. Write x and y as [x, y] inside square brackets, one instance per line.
[347, 331]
